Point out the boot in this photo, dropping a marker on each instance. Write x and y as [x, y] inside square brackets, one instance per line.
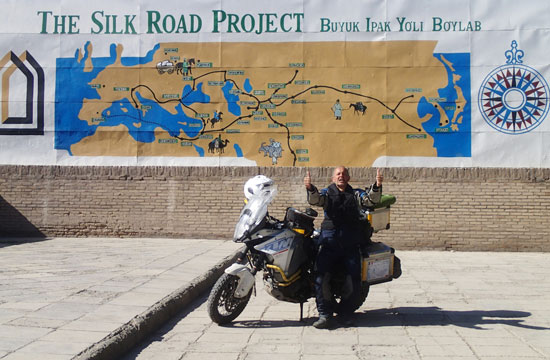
[324, 322]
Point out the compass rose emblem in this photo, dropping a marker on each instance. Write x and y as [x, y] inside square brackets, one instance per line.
[513, 98]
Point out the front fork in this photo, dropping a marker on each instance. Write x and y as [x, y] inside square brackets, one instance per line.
[246, 279]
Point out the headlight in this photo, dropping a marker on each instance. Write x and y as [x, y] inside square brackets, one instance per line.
[243, 225]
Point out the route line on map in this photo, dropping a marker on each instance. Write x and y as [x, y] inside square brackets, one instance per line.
[187, 107]
[259, 102]
[226, 79]
[393, 111]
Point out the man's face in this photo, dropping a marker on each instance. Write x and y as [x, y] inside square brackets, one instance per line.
[340, 177]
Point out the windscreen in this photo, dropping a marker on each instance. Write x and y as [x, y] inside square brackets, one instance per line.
[254, 212]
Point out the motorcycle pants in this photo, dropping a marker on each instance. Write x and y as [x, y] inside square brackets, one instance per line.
[330, 260]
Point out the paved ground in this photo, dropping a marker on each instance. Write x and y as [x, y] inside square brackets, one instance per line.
[447, 305]
[95, 298]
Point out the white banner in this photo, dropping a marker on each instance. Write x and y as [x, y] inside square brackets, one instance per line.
[287, 83]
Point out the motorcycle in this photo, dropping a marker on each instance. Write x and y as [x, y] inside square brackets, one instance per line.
[284, 251]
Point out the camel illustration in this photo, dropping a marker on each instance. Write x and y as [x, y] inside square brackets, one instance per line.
[217, 145]
[358, 107]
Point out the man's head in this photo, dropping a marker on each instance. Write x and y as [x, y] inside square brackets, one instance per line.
[340, 177]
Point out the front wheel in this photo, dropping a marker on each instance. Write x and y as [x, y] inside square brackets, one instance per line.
[223, 306]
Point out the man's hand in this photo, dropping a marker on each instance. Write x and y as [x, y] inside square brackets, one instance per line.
[307, 180]
[379, 178]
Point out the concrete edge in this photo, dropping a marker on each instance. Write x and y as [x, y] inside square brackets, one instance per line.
[125, 338]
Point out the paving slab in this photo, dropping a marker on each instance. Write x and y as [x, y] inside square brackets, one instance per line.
[446, 305]
[95, 298]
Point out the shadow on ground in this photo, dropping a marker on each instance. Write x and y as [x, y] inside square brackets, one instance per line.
[413, 316]
[15, 228]
[399, 316]
[435, 316]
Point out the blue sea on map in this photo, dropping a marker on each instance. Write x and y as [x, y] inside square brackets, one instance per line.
[70, 129]
[449, 143]
[232, 99]
[73, 86]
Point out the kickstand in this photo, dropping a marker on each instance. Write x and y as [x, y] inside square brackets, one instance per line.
[301, 311]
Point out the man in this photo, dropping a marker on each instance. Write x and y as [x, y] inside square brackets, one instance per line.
[341, 234]
[337, 109]
[185, 67]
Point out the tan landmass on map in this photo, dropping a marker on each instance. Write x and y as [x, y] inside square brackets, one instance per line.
[388, 77]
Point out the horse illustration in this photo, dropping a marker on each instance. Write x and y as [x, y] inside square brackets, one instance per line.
[274, 150]
[183, 71]
[216, 118]
[358, 107]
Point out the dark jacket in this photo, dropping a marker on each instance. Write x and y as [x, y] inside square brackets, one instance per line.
[342, 208]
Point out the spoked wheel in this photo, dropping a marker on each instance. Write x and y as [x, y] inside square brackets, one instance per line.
[223, 306]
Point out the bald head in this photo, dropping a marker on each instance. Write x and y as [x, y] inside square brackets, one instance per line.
[340, 177]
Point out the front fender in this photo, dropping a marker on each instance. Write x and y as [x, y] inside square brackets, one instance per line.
[246, 279]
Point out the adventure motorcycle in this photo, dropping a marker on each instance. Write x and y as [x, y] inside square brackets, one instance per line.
[285, 252]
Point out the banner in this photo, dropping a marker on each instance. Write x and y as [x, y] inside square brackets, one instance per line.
[419, 83]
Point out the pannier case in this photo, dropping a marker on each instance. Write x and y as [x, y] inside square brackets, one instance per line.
[379, 216]
[377, 263]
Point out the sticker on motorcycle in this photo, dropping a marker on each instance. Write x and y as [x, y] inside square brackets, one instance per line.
[276, 246]
[377, 269]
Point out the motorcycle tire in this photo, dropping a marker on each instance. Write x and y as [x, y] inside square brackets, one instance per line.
[361, 297]
[363, 293]
[222, 305]
[396, 267]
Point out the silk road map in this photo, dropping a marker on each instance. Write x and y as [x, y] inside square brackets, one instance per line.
[284, 104]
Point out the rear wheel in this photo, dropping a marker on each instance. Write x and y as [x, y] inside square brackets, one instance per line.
[396, 267]
[351, 305]
[223, 306]
[364, 292]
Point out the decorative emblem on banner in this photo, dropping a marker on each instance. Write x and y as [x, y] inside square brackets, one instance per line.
[513, 98]
[274, 150]
[22, 94]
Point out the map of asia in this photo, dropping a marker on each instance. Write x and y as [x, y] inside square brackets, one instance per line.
[287, 104]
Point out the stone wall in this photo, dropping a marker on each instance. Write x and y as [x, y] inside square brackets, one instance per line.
[437, 208]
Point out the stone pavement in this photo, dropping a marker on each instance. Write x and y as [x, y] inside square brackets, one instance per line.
[446, 305]
[65, 298]
[96, 298]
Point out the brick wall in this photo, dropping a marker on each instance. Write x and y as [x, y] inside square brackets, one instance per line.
[449, 208]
